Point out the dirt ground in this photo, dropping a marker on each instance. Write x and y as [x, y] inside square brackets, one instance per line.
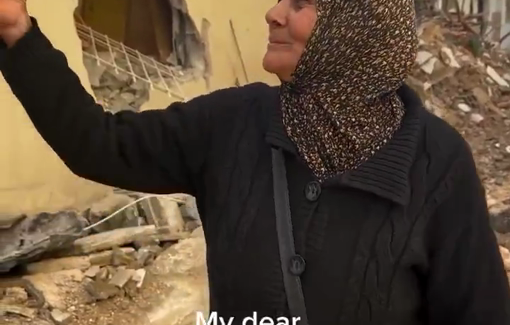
[175, 284]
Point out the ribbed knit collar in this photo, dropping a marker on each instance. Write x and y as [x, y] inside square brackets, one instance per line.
[386, 174]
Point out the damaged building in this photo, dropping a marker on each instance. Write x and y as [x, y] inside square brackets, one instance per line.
[76, 251]
[131, 47]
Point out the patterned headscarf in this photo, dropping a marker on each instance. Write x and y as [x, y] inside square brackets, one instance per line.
[341, 106]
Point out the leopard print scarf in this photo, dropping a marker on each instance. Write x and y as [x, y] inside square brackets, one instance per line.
[341, 105]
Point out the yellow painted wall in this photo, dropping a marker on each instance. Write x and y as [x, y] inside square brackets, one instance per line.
[32, 177]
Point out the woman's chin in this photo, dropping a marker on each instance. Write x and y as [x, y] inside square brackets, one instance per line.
[278, 64]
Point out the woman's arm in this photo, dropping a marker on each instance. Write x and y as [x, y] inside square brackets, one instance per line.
[467, 284]
[158, 151]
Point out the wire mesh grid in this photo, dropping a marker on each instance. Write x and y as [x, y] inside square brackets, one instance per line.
[114, 54]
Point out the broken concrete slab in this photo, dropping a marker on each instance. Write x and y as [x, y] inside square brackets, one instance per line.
[496, 77]
[185, 257]
[55, 287]
[60, 317]
[476, 118]
[450, 57]
[40, 234]
[164, 212]
[464, 107]
[188, 205]
[139, 277]
[121, 277]
[110, 239]
[93, 271]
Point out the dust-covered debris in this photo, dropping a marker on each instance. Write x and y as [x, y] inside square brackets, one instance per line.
[464, 80]
[60, 317]
[99, 268]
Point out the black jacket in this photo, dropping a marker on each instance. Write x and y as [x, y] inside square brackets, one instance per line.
[403, 239]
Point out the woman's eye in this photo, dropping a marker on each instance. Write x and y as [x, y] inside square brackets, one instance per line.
[299, 4]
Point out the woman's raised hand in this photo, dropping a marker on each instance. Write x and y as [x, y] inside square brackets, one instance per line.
[14, 20]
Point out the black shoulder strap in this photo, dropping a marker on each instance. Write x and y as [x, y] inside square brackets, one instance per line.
[288, 255]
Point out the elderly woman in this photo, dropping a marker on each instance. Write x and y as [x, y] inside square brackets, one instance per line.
[334, 198]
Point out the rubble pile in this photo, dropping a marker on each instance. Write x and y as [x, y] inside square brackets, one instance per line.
[123, 82]
[466, 81]
[102, 253]
[115, 90]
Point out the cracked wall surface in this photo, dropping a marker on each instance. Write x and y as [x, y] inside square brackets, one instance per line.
[250, 32]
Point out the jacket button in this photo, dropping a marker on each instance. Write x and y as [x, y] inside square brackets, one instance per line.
[297, 265]
[312, 191]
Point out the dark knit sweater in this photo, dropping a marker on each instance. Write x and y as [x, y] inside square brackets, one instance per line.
[403, 239]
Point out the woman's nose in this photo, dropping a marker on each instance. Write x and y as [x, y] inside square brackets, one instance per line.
[276, 15]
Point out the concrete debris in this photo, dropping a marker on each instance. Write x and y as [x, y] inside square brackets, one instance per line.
[496, 77]
[119, 257]
[422, 57]
[17, 310]
[14, 295]
[463, 107]
[427, 61]
[165, 212]
[116, 91]
[55, 286]
[31, 236]
[99, 290]
[466, 81]
[108, 240]
[128, 217]
[107, 264]
[450, 57]
[93, 271]
[139, 277]
[147, 254]
[476, 118]
[102, 275]
[121, 277]
[60, 317]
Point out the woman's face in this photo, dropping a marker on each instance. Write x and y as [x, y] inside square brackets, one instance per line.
[290, 25]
